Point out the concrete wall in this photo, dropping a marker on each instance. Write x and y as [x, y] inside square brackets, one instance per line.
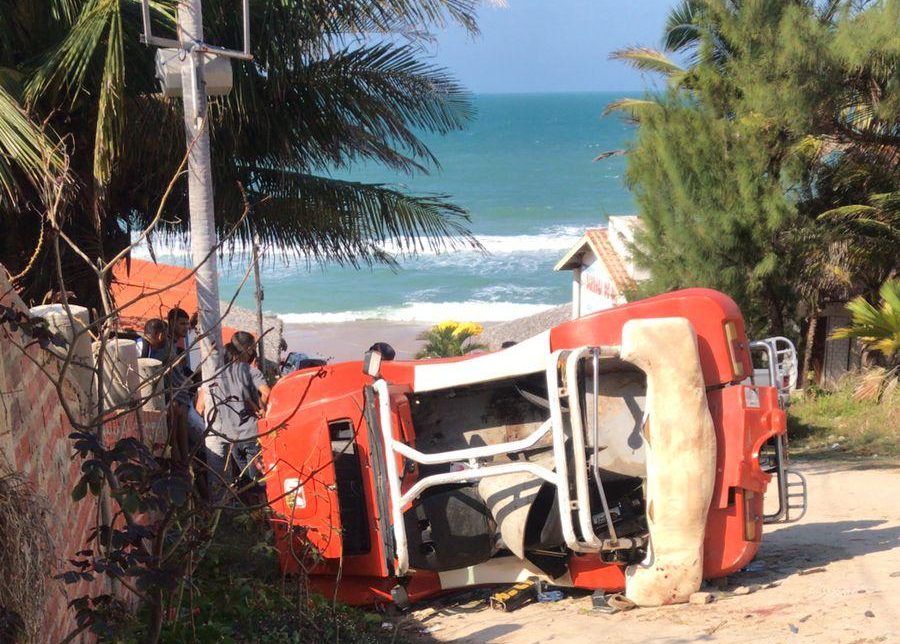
[33, 442]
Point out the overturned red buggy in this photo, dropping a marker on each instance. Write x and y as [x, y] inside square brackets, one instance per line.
[626, 450]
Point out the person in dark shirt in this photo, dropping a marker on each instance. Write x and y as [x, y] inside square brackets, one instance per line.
[180, 385]
[155, 340]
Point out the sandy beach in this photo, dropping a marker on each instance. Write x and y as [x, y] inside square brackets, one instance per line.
[350, 340]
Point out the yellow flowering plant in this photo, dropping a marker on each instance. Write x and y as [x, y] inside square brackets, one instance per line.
[450, 338]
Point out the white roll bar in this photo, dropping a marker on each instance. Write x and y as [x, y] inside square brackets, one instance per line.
[475, 470]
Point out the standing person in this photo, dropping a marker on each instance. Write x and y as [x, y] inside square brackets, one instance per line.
[181, 386]
[239, 400]
[179, 325]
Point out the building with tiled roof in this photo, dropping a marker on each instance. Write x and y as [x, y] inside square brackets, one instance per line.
[603, 269]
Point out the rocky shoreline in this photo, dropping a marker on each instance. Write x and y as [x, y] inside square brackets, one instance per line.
[243, 319]
[523, 328]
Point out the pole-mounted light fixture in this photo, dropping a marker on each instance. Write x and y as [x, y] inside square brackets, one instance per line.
[216, 61]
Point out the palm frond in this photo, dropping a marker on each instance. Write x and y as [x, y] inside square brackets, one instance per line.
[91, 61]
[346, 221]
[392, 16]
[632, 107]
[876, 327]
[367, 103]
[25, 151]
[646, 59]
[681, 30]
[879, 219]
[66, 67]
[64, 72]
[110, 110]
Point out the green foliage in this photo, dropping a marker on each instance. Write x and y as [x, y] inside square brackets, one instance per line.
[710, 207]
[840, 424]
[449, 339]
[770, 166]
[25, 151]
[877, 327]
[878, 220]
[238, 595]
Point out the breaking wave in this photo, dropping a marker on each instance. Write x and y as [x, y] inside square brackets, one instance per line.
[470, 311]
[557, 239]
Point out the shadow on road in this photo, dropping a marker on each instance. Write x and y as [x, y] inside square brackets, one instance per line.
[805, 547]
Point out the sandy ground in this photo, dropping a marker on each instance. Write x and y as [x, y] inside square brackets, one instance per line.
[832, 577]
[349, 340]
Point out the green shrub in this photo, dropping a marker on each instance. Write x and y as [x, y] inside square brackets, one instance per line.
[449, 339]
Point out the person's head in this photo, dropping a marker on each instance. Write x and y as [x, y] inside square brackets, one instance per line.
[245, 345]
[387, 351]
[179, 323]
[231, 354]
[155, 332]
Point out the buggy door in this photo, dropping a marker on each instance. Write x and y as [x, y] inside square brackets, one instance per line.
[310, 490]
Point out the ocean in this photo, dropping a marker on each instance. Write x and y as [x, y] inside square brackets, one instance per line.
[524, 170]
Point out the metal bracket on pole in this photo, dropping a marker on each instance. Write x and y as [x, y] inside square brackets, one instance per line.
[149, 39]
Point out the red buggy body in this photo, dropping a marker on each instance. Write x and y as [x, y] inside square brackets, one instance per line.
[541, 459]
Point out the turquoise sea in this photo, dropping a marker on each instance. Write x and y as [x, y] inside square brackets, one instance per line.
[524, 170]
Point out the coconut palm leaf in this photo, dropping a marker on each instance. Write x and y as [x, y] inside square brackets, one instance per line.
[645, 59]
[880, 219]
[632, 107]
[25, 151]
[357, 104]
[354, 17]
[93, 54]
[346, 221]
[876, 327]
[681, 30]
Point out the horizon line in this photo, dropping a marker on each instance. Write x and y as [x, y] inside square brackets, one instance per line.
[555, 91]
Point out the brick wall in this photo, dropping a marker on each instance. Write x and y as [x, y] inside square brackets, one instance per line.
[33, 441]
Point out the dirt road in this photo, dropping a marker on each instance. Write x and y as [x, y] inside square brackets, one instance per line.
[836, 577]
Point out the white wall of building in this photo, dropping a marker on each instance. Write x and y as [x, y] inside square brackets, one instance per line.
[597, 291]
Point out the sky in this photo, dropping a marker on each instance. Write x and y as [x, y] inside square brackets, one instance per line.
[552, 45]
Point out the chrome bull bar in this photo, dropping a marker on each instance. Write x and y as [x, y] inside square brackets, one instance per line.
[792, 494]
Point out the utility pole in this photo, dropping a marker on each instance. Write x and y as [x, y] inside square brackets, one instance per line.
[204, 241]
[259, 304]
[191, 55]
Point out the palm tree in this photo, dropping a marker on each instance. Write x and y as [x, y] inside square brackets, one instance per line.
[319, 96]
[878, 328]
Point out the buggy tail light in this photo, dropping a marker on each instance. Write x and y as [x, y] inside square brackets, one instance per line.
[734, 348]
[750, 517]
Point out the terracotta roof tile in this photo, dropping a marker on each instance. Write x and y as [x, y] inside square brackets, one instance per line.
[598, 238]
